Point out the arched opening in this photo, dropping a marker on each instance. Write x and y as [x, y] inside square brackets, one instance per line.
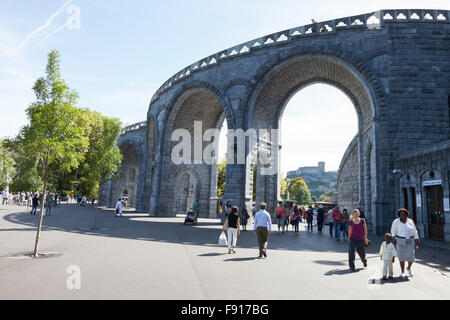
[187, 189]
[317, 126]
[126, 184]
[280, 86]
[196, 112]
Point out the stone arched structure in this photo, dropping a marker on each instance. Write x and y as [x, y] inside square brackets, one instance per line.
[392, 64]
[289, 76]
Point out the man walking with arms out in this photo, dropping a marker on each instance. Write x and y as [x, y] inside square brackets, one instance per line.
[262, 229]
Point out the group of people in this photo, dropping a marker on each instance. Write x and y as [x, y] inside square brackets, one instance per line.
[20, 198]
[262, 226]
[401, 243]
[34, 199]
[83, 200]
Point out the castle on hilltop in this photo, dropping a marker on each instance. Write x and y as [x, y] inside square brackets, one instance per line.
[318, 180]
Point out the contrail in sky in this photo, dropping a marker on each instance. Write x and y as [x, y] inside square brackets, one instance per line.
[47, 23]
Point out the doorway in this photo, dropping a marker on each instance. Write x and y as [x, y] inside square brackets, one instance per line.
[435, 208]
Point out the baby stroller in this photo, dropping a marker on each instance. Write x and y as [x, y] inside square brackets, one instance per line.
[191, 218]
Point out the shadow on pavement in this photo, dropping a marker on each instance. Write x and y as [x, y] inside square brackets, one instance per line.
[241, 259]
[214, 254]
[330, 263]
[342, 272]
[72, 218]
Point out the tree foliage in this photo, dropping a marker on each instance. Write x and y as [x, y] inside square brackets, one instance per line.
[298, 191]
[283, 188]
[221, 173]
[68, 149]
[7, 170]
[103, 157]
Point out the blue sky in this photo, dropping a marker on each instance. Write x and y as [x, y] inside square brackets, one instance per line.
[124, 50]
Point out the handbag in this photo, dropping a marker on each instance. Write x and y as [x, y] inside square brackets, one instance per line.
[222, 239]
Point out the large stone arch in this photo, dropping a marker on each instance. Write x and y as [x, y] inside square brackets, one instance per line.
[291, 75]
[196, 101]
[407, 92]
[128, 175]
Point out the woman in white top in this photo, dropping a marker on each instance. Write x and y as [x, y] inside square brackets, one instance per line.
[406, 240]
[119, 208]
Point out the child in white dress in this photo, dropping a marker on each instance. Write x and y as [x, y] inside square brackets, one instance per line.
[388, 254]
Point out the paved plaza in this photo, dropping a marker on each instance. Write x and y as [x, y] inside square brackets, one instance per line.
[138, 257]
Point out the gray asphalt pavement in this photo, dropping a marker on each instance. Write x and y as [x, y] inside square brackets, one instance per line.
[138, 257]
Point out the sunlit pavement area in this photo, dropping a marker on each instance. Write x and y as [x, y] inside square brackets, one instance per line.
[139, 257]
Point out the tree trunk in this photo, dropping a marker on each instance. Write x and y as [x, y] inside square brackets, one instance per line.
[41, 218]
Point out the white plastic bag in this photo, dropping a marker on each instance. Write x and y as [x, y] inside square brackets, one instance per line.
[222, 239]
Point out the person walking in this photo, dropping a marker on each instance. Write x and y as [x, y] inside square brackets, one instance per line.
[330, 221]
[320, 218]
[358, 241]
[83, 201]
[233, 229]
[226, 212]
[119, 208]
[337, 220]
[388, 254]
[406, 240]
[281, 217]
[362, 215]
[196, 209]
[345, 222]
[262, 229]
[35, 204]
[315, 210]
[296, 218]
[287, 218]
[48, 204]
[310, 218]
[244, 217]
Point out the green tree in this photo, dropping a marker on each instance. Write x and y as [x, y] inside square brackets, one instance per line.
[103, 158]
[26, 176]
[298, 191]
[283, 188]
[7, 170]
[221, 173]
[54, 134]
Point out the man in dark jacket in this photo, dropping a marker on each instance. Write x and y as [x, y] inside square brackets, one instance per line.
[35, 204]
[320, 218]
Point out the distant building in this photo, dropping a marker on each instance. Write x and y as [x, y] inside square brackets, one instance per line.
[318, 171]
[318, 180]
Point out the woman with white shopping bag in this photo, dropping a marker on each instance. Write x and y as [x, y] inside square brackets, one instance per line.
[233, 229]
